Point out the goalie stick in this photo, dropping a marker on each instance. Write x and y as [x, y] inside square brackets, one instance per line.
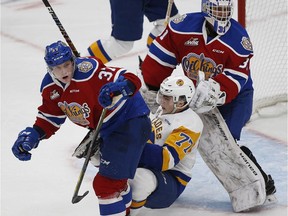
[76, 197]
[168, 12]
[61, 28]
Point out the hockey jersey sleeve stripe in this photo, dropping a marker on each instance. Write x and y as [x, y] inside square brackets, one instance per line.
[119, 73]
[237, 73]
[154, 57]
[238, 78]
[168, 159]
[56, 121]
[157, 46]
[136, 204]
[162, 55]
[150, 39]
[181, 177]
[96, 49]
[237, 53]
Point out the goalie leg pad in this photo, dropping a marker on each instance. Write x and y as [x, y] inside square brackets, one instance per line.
[237, 173]
[246, 197]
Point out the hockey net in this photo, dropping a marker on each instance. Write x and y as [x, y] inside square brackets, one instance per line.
[266, 22]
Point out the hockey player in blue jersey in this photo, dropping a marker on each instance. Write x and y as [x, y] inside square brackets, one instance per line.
[127, 26]
[168, 158]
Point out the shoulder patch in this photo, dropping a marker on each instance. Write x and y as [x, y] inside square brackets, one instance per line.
[246, 43]
[179, 19]
[85, 66]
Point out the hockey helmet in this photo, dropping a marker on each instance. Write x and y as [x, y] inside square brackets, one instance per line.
[57, 53]
[181, 88]
[218, 13]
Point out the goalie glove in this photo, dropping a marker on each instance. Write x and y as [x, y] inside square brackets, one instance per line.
[207, 96]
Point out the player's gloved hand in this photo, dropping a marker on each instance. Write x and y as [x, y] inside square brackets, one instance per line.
[207, 96]
[26, 141]
[111, 94]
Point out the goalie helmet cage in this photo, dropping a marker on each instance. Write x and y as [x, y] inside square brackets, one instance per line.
[266, 22]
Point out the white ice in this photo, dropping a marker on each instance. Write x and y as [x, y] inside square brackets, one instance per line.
[44, 186]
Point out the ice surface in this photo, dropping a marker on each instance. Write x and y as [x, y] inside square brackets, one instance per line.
[44, 186]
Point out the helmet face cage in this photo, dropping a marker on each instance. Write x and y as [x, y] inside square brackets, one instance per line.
[218, 13]
[57, 53]
[180, 88]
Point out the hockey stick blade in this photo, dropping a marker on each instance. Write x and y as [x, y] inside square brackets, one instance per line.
[78, 198]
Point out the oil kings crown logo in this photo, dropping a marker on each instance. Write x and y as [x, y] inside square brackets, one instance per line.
[179, 19]
[193, 62]
[85, 66]
[246, 43]
[75, 112]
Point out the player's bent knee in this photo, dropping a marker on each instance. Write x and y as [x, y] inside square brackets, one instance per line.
[106, 188]
[143, 184]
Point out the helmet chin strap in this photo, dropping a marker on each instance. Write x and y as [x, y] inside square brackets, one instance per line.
[174, 109]
[182, 108]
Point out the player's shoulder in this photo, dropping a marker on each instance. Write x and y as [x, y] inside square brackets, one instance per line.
[238, 39]
[188, 23]
[85, 67]
[189, 119]
[47, 81]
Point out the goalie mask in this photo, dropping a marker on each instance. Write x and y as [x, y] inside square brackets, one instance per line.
[218, 13]
[180, 88]
[57, 53]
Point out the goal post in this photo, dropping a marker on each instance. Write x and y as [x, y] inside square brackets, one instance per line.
[241, 6]
[266, 22]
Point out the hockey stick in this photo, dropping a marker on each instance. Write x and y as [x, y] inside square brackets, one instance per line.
[61, 28]
[168, 12]
[76, 197]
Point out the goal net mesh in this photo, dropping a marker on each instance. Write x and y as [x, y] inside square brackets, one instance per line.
[267, 23]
